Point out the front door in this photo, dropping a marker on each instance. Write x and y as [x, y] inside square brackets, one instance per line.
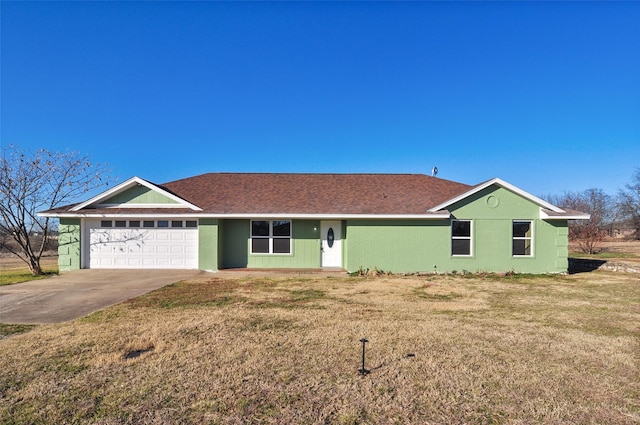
[331, 235]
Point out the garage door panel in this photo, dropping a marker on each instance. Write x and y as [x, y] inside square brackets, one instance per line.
[142, 248]
[177, 236]
[134, 262]
[148, 262]
[148, 249]
[177, 249]
[163, 262]
[135, 249]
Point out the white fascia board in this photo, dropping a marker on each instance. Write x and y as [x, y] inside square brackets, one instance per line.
[503, 184]
[128, 184]
[545, 216]
[123, 216]
[441, 215]
[125, 206]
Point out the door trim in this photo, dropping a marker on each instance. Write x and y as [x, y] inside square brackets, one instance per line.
[331, 256]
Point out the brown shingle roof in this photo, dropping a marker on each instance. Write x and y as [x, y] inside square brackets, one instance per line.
[257, 193]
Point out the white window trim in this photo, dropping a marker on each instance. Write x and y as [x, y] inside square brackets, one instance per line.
[523, 238]
[469, 238]
[141, 225]
[271, 237]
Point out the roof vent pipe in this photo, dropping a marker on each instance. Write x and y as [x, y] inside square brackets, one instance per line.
[434, 171]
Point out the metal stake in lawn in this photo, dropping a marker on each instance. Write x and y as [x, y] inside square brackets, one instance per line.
[363, 371]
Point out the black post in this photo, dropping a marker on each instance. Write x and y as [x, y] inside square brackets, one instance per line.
[363, 371]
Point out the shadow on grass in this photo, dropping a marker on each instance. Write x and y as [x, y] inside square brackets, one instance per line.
[584, 265]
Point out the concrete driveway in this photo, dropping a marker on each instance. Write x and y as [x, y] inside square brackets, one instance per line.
[78, 293]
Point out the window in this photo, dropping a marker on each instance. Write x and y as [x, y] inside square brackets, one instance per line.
[106, 223]
[163, 223]
[176, 223]
[134, 223]
[461, 237]
[522, 238]
[121, 223]
[191, 223]
[271, 237]
[148, 223]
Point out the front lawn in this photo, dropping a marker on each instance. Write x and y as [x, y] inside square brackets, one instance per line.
[19, 275]
[442, 350]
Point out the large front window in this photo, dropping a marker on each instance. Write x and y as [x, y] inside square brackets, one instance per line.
[522, 238]
[461, 237]
[271, 237]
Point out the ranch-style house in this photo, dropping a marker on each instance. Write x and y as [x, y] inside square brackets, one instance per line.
[395, 222]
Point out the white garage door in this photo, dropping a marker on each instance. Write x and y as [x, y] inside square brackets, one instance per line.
[140, 244]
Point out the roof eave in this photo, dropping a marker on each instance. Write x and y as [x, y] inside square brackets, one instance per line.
[544, 215]
[431, 216]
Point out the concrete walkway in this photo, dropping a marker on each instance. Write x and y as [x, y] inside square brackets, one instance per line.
[78, 293]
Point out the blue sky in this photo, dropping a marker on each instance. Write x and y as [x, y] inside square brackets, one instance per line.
[545, 95]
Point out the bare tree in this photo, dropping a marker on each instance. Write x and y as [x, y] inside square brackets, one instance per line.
[33, 181]
[588, 234]
[629, 202]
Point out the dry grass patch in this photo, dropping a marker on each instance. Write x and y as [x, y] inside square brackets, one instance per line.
[512, 350]
[13, 270]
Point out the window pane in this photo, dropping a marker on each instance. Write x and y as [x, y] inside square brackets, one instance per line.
[192, 223]
[281, 246]
[461, 247]
[105, 223]
[121, 223]
[134, 223]
[521, 229]
[521, 247]
[461, 228]
[163, 223]
[281, 228]
[260, 245]
[259, 228]
[148, 223]
[176, 223]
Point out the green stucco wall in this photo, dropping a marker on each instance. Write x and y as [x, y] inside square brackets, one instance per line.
[425, 246]
[235, 246]
[69, 244]
[234, 235]
[208, 244]
[139, 195]
[397, 245]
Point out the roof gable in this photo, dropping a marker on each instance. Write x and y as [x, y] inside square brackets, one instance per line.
[136, 193]
[501, 183]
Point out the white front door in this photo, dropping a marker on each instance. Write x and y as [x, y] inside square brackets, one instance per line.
[331, 236]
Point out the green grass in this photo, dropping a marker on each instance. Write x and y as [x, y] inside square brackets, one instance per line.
[12, 276]
[8, 330]
[604, 255]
